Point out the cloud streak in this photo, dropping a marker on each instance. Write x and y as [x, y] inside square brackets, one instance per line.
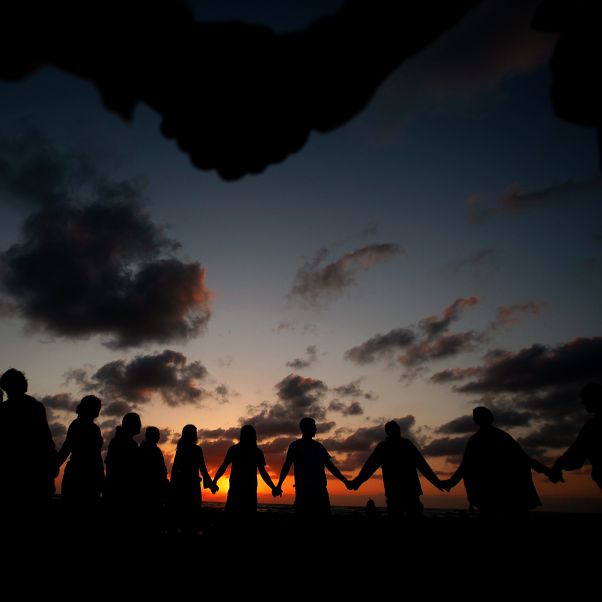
[317, 281]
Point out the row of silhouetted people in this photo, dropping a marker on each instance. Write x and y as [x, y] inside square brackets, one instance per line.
[496, 471]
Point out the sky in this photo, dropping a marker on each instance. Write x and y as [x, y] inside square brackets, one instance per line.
[440, 250]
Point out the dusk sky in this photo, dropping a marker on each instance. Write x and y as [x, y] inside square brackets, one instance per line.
[441, 250]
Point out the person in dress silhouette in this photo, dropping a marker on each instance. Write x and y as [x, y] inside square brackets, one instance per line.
[496, 471]
[310, 458]
[28, 461]
[84, 475]
[185, 480]
[400, 460]
[246, 459]
[588, 444]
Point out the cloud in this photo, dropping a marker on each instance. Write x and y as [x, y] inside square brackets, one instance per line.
[433, 326]
[294, 326]
[117, 408]
[509, 315]
[381, 346]
[428, 341]
[445, 446]
[90, 261]
[311, 357]
[298, 396]
[446, 345]
[353, 389]
[352, 409]
[493, 41]
[516, 200]
[317, 281]
[453, 374]
[62, 402]
[167, 375]
[504, 418]
[539, 366]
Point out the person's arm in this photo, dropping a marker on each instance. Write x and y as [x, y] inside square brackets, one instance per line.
[66, 448]
[208, 483]
[575, 456]
[222, 469]
[336, 472]
[371, 465]
[288, 462]
[423, 466]
[267, 479]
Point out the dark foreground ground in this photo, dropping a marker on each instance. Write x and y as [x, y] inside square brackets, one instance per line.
[454, 554]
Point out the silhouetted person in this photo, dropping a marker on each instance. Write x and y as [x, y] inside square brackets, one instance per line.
[84, 475]
[588, 445]
[28, 462]
[185, 480]
[123, 466]
[496, 470]
[152, 477]
[246, 459]
[399, 459]
[310, 458]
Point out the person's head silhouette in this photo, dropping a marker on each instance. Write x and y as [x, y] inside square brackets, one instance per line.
[591, 397]
[152, 435]
[482, 416]
[13, 382]
[308, 427]
[131, 424]
[392, 429]
[88, 407]
[189, 435]
[248, 435]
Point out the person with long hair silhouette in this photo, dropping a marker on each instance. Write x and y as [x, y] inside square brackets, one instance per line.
[123, 465]
[28, 462]
[496, 471]
[185, 480]
[400, 460]
[84, 475]
[588, 444]
[310, 458]
[246, 459]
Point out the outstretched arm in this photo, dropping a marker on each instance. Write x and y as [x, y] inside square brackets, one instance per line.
[221, 470]
[267, 479]
[423, 466]
[371, 465]
[65, 450]
[209, 484]
[284, 471]
[336, 472]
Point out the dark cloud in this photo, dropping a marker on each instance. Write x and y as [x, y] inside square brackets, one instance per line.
[117, 408]
[446, 345]
[298, 396]
[381, 346]
[504, 417]
[453, 375]
[516, 200]
[258, 97]
[353, 389]
[58, 431]
[62, 402]
[90, 261]
[318, 281]
[540, 366]
[509, 315]
[436, 325]
[445, 446]
[311, 357]
[167, 375]
[232, 434]
[352, 409]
